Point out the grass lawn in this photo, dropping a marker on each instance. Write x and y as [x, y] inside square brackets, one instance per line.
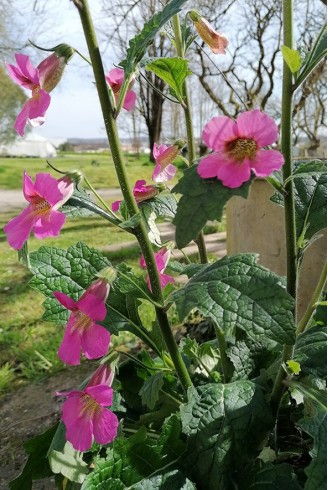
[28, 345]
[98, 168]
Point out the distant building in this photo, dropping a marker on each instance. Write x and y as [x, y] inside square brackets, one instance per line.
[32, 145]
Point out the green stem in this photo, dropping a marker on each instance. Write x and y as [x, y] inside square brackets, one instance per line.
[313, 303]
[92, 189]
[200, 241]
[289, 201]
[225, 362]
[108, 112]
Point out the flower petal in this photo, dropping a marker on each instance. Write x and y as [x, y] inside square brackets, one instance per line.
[130, 100]
[28, 188]
[258, 126]
[49, 224]
[92, 306]
[218, 131]
[65, 300]
[207, 167]
[95, 341]
[79, 434]
[115, 76]
[47, 187]
[39, 104]
[234, 174]
[102, 393]
[165, 279]
[105, 424]
[24, 73]
[266, 162]
[165, 174]
[70, 349]
[72, 407]
[21, 119]
[19, 228]
[116, 205]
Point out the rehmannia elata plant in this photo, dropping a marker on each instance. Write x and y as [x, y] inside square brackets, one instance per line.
[243, 408]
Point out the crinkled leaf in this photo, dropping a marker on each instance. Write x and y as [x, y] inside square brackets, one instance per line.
[292, 58]
[241, 357]
[310, 201]
[168, 480]
[136, 458]
[69, 463]
[37, 465]
[150, 390]
[238, 292]
[160, 206]
[311, 351]
[274, 477]
[316, 427]
[139, 44]
[222, 423]
[173, 71]
[202, 200]
[70, 271]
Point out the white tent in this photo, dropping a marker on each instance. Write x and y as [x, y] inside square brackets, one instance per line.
[33, 145]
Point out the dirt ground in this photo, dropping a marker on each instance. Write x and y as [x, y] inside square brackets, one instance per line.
[28, 412]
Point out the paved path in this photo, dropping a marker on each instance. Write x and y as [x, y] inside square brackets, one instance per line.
[10, 200]
[14, 199]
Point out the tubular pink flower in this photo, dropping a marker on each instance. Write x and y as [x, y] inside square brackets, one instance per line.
[103, 375]
[237, 148]
[115, 80]
[141, 193]
[162, 258]
[40, 81]
[45, 196]
[86, 417]
[217, 41]
[164, 156]
[82, 331]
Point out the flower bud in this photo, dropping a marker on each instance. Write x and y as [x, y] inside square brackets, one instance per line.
[180, 143]
[217, 41]
[51, 69]
[76, 176]
[103, 375]
[109, 274]
[99, 288]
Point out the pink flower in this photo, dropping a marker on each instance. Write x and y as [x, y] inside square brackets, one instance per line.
[115, 80]
[164, 156]
[217, 41]
[162, 258]
[104, 374]
[40, 81]
[141, 193]
[237, 148]
[45, 196]
[86, 417]
[82, 331]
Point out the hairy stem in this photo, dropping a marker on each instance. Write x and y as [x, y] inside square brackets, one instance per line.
[108, 112]
[225, 361]
[289, 201]
[200, 241]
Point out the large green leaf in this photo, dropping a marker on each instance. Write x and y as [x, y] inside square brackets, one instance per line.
[168, 480]
[134, 459]
[222, 423]
[69, 463]
[173, 71]
[37, 465]
[202, 200]
[139, 44]
[70, 271]
[274, 477]
[311, 351]
[237, 292]
[163, 206]
[310, 181]
[315, 425]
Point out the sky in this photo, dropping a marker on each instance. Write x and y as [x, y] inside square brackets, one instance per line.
[74, 110]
